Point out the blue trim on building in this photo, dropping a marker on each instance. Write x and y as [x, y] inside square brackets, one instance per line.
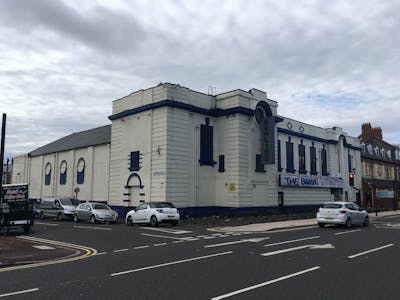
[130, 177]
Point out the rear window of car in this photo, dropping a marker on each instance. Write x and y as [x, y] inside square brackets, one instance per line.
[100, 206]
[331, 205]
[161, 205]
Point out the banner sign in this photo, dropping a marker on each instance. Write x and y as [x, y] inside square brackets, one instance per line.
[15, 193]
[384, 193]
[312, 182]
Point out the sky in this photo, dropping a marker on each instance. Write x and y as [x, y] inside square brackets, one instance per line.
[326, 63]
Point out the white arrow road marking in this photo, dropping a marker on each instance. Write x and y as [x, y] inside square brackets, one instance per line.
[255, 240]
[166, 230]
[264, 284]
[326, 246]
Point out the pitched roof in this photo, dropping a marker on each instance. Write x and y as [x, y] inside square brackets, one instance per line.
[91, 137]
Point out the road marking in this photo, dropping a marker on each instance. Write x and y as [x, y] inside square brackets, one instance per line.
[171, 263]
[344, 232]
[177, 242]
[264, 283]
[43, 247]
[90, 227]
[209, 237]
[166, 230]
[391, 217]
[255, 240]
[19, 292]
[101, 253]
[325, 246]
[160, 244]
[166, 237]
[369, 251]
[49, 224]
[120, 250]
[292, 241]
[141, 247]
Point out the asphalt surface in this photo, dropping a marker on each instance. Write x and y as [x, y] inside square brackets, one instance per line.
[190, 262]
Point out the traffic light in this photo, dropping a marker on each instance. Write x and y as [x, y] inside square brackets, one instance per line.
[351, 179]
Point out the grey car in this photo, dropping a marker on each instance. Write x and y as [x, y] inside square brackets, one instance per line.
[95, 212]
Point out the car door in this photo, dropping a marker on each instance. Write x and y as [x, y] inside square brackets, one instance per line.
[140, 213]
[360, 214]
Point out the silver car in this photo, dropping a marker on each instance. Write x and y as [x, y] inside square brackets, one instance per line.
[95, 212]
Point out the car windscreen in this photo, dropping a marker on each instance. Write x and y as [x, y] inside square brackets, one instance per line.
[69, 201]
[100, 206]
[331, 205]
[161, 205]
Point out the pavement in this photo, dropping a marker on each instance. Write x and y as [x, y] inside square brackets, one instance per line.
[24, 250]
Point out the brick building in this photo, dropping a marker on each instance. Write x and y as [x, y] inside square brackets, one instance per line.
[380, 169]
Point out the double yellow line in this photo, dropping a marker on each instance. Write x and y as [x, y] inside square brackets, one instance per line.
[87, 251]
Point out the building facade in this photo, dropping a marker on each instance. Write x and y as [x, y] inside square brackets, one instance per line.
[205, 153]
[380, 169]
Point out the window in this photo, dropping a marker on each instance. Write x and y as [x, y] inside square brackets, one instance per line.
[302, 159]
[349, 162]
[206, 145]
[289, 157]
[63, 172]
[80, 168]
[47, 174]
[221, 163]
[324, 166]
[279, 156]
[259, 164]
[135, 161]
[313, 160]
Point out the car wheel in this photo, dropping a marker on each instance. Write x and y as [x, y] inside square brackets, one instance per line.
[59, 217]
[366, 221]
[92, 219]
[153, 221]
[321, 224]
[76, 219]
[129, 222]
[348, 223]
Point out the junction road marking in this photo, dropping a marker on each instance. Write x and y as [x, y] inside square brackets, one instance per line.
[171, 263]
[43, 247]
[49, 224]
[19, 292]
[325, 246]
[91, 227]
[369, 251]
[100, 253]
[264, 284]
[292, 241]
[167, 230]
[255, 240]
[344, 232]
[167, 237]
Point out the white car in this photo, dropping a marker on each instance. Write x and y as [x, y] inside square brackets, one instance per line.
[153, 213]
[342, 213]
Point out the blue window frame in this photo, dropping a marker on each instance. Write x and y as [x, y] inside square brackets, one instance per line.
[63, 172]
[221, 163]
[302, 159]
[80, 171]
[279, 156]
[134, 161]
[206, 145]
[324, 164]
[349, 162]
[47, 174]
[313, 160]
[289, 157]
[259, 164]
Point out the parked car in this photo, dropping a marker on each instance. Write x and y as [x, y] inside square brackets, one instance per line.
[60, 208]
[153, 213]
[342, 213]
[95, 212]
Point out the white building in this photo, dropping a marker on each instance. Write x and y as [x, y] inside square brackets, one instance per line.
[204, 153]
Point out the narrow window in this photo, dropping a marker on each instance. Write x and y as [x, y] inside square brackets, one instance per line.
[135, 161]
[313, 160]
[279, 156]
[259, 164]
[47, 174]
[302, 159]
[63, 172]
[289, 157]
[324, 162]
[349, 162]
[221, 163]
[206, 145]
[80, 171]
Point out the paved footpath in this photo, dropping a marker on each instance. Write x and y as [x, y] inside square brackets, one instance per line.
[261, 227]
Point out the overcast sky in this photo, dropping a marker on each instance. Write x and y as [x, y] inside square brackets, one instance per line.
[327, 63]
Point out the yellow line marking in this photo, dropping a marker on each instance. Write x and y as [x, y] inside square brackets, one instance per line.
[87, 253]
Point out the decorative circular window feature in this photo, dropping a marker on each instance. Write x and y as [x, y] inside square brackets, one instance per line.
[289, 125]
[301, 128]
[63, 167]
[81, 165]
[47, 169]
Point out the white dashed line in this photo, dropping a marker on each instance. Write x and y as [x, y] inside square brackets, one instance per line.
[19, 292]
[163, 236]
[120, 250]
[344, 232]
[177, 242]
[141, 247]
[43, 247]
[369, 251]
[49, 224]
[90, 227]
[101, 253]
[160, 244]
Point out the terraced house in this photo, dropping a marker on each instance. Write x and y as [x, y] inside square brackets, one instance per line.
[205, 153]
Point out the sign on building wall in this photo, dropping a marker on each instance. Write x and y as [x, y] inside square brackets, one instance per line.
[384, 193]
[310, 181]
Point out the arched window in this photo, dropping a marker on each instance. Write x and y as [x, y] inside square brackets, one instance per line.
[80, 168]
[63, 172]
[47, 174]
